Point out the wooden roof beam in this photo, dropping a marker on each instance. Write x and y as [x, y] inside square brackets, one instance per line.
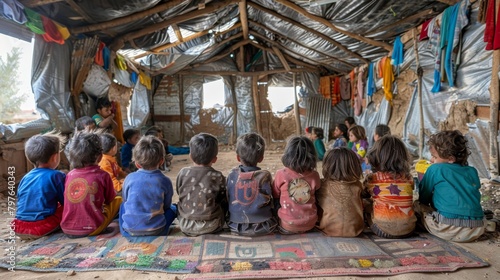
[244, 18]
[278, 53]
[322, 36]
[422, 14]
[291, 59]
[187, 39]
[80, 11]
[36, 3]
[234, 73]
[124, 20]
[325, 22]
[449, 2]
[226, 53]
[211, 7]
[300, 44]
[178, 33]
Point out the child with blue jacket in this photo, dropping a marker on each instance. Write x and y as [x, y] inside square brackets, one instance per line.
[147, 207]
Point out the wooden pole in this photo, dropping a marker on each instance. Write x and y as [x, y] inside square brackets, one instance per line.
[296, 105]
[494, 101]
[181, 107]
[420, 73]
[235, 108]
[256, 101]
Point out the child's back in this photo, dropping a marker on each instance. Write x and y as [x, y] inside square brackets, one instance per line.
[249, 190]
[202, 189]
[147, 194]
[295, 186]
[391, 189]
[88, 190]
[449, 197]
[40, 194]
[340, 208]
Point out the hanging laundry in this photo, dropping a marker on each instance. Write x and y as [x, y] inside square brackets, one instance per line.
[388, 79]
[424, 32]
[325, 86]
[106, 57]
[63, 30]
[144, 79]
[98, 59]
[397, 54]
[120, 62]
[492, 30]
[370, 83]
[335, 91]
[352, 79]
[345, 88]
[134, 77]
[52, 34]
[34, 21]
[358, 100]
[13, 10]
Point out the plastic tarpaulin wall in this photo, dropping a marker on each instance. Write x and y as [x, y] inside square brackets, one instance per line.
[246, 114]
[138, 112]
[193, 97]
[49, 81]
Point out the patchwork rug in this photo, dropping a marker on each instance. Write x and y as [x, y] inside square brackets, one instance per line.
[227, 256]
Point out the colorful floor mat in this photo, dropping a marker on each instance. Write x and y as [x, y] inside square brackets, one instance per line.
[226, 256]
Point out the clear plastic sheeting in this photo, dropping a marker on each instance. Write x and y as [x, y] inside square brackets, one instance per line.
[50, 83]
[138, 112]
[479, 157]
[193, 98]
[373, 115]
[246, 114]
[23, 130]
[97, 82]
[122, 77]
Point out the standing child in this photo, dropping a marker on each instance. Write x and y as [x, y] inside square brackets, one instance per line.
[340, 207]
[90, 201]
[131, 137]
[147, 207]
[249, 190]
[317, 137]
[449, 194]
[340, 134]
[391, 189]
[202, 189]
[108, 162]
[357, 136]
[295, 186]
[105, 116]
[40, 195]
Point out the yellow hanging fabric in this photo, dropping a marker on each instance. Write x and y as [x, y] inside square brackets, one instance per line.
[120, 62]
[145, 79]
[63, 30]
[388, 77]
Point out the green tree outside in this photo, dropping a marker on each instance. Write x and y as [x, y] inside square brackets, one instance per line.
[10, 96]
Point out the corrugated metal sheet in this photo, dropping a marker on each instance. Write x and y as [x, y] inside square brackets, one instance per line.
[318, 113]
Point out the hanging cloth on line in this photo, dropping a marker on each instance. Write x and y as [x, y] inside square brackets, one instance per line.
[388, 79]
[492, 30]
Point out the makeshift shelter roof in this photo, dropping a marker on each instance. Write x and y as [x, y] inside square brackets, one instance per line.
[165, 37]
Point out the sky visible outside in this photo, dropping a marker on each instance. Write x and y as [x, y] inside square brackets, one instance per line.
[280, 97]
[24, 72]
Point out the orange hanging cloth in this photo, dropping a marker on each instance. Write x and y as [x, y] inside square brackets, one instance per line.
[388, 77]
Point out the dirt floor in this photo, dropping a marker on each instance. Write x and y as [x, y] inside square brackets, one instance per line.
[488, 248]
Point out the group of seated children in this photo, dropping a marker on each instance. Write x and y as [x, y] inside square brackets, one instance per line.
[250, 202]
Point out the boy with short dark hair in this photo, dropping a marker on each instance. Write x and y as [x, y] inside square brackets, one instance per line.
[40, 195]
[249, 190]
[131, 137]
[105, 116]
[90, 201]
[147, 207]
[202, 189]
[108, 162]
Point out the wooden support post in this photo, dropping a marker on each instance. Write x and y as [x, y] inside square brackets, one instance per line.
[494, 106]
[235, 109]
[256, 102]
[420, 73]
[241, 59]
[181, 107]
[296, 105]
